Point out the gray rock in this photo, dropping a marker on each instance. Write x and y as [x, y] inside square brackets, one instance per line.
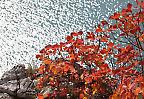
[17, 72]
[5, 96]
[16, 84]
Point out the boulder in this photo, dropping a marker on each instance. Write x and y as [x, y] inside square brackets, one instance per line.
[5, 96]
[16, 85]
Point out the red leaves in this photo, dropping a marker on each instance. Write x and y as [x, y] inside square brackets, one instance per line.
[103, 51]
[79, 41]
[141, 62]
[137, 91]
[81, 96]
[135, 29]
[74, 34]
[129, 7]
[95, 59]
[104, 39]
[40, 57]
[115, 16]
[66, 67]
[140, 3]
[40, 96]
[116, 71]
[104, 66]
[37, 56]
[41, 69]
[68, 38]
[113, 27]
[99, 29]
[128, 88]
[124, 12]
[80, 32]
[122, 34]
[72, 57]
[88, 79]
[43, 51]
[110, 44]
[90, 36]
[126, 54]
[141, 38]
[47, 61]
[104, 22]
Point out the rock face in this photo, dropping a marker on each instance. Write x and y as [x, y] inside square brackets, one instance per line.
[14, 84]
[5, 96]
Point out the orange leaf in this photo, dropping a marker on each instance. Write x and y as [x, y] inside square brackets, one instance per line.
[72, 69]
[141, 38]
[79, 41]
[110, 44]
[104, 39]
[40, 96]
[94, 91]
[104, 66]
[137, 90]
[85, 98]
[55, 71]
[41, 69]
[115, 96]
[88, 79]
[66, 68]
[99, 29]
[47, 61]
[72, 56]
[91, 36]
[115, 16]
[103, 51]
[81, 96]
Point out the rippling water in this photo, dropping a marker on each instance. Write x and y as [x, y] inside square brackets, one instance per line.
[26, 26]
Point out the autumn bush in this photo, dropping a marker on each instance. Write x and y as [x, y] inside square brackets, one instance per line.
[105, 64]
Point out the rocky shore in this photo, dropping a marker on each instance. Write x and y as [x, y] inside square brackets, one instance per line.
[15, 84]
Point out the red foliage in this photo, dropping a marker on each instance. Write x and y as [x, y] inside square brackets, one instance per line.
[106, 63]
